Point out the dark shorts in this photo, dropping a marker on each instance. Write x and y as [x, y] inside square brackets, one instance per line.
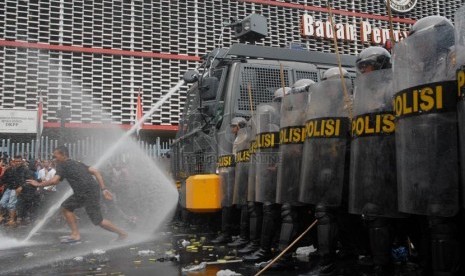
[90, 201]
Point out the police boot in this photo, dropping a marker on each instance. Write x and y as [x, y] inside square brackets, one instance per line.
[268, 230]
[288, 231]
[255, 212]
[286, 262]
[289, 226]
[250, 247]
[444, 247]
[327, 233]
[380, 244]
[244, 236]
[225, 235]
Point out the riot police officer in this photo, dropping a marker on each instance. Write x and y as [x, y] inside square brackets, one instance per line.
[242, 158]
[226, 170]
[426, 136]
[254, 209]
[292, 136]
[266, 161]
[373, 185]
[237, 123]
[325, 163]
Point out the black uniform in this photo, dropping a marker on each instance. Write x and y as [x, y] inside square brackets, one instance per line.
[294, 214]
[425, 102]
[254, 209]
[242, 158]
[325, 164]
[373, 184]
[266, 160]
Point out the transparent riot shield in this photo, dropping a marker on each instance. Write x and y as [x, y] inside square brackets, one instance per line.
[373, 183]
[267, 154]
[460, 63]
[425, 103]
[324, 169]
[252, 161]
[292, 137]
[460, 37]
[242, 166]
[226, 166]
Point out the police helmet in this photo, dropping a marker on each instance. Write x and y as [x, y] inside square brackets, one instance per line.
[442, 35]
[376, 57]
[301, 85]
[334, 72]
[239, 121]
[433, 21]
[279, 93]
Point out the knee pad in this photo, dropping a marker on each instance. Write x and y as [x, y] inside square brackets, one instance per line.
[287, 214]
[254, 209]
[324, 215]
[250, 207]
[271, 209]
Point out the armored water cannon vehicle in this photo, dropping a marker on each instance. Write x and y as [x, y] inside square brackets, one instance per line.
[232, 83]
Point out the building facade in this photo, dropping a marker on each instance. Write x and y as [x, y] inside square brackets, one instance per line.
[95, 56]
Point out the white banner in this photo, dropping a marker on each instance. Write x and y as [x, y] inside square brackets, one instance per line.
[18, 121]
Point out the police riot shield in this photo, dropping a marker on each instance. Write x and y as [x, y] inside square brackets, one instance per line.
[460, 62]
[242, 166]
[461, 126]
[292, 136]
[373, 183]
[267, 154]
[325, 152]
[226, 166]
[252, 159]
[425, 103]
[460, 37]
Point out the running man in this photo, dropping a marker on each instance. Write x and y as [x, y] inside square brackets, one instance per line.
[86, 193]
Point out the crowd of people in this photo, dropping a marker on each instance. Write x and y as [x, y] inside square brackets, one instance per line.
[19, 201]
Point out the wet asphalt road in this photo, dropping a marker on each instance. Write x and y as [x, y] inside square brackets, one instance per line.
[160, 254]
[98, 255]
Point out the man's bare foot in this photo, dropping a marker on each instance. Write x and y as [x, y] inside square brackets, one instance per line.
[122, 236]
[75, 237]
[71, 237]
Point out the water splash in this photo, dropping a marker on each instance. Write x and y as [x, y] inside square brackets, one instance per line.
[105, 157]
[133, 129]
[149, 193]
[9, 243]
[53, 209]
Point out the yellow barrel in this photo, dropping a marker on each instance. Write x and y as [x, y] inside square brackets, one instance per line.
[203, 193]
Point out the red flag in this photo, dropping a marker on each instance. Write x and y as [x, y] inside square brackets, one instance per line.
[139, 113]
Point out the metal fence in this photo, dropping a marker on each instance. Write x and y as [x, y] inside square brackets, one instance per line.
[86, 149]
